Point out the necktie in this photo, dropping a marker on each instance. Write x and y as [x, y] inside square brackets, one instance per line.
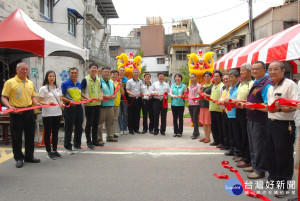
[161, 89]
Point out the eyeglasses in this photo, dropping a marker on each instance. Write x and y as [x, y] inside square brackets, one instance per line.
[275, 69]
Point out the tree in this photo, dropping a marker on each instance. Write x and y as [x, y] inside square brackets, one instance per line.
[184, 71]
[140, 52]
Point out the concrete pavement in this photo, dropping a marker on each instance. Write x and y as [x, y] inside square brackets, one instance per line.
[138, 167]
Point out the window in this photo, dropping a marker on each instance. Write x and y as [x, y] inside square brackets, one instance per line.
[46, 9]
[72, 24]
[182, 55]
[113, 48]
[288, 24]
[160, 60]
[73, 16]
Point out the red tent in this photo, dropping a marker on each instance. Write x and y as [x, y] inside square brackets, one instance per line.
[21, 37]
[283, 46]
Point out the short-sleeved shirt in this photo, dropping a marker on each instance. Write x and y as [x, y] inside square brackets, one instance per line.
[286, 88]
[71, 91]
[134, 86]
[232, 95]
[160, 88]
[215, 95]
[19, 92]
[146, 90]
[244, 90]
[124, 81]
[51, 94]
[206, 88]
[264, 92]
[118, 98]
[193, 93]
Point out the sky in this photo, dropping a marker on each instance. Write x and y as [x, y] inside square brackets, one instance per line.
[214, 18]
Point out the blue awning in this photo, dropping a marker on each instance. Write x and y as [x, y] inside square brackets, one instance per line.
[74, 12]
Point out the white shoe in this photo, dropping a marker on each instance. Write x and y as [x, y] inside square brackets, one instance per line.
[125, 132]
[79, 150]
[69, 151]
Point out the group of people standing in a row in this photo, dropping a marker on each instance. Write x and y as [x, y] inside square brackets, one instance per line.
[260, 140]
[119, 102]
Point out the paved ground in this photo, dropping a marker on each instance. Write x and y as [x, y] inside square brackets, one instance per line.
[138, 167]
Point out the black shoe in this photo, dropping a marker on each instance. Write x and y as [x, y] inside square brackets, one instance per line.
[144, 132]
[91, 146]
[57, 154]
[228, 153]
[138, 132]
[151, 132]
[32, 160]
[131, 132]
[19, 163]
[162, 133]
[194, 137]
[51, 156]
[155, 133]
[98, 144]
[115, 136]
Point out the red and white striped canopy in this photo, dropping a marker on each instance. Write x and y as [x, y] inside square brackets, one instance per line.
[283, 46]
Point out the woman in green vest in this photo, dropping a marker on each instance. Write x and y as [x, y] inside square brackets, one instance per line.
[177, 105]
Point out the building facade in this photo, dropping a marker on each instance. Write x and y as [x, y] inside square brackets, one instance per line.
[79, 22]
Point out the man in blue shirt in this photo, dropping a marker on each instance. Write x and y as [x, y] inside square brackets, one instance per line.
[233, 124]
[71, 90]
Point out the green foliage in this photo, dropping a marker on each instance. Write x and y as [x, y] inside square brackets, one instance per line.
[184, 71]
[140, 52]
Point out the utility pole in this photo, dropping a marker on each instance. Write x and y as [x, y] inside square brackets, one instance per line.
[251, 28]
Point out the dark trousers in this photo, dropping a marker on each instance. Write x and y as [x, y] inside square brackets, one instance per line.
[233, 124]
[225, 127]
[216, 126]
[194, 113]
[92, 114]
[177, 112]
[123, 116]
[257, 136]
[73, 115]
[147, 107]
[280, 150]
[243, 143]
[159, 110]
[19, 123]
[51, 125]
[134, 114]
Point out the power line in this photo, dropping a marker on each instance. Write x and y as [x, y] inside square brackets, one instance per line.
[204, 16]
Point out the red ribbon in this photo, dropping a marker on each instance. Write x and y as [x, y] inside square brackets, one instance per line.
[248, 192]
[165, 98]
[280, 101]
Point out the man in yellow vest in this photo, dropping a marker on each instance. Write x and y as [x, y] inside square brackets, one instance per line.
[116, 82]
[18, 92]
[91, 87]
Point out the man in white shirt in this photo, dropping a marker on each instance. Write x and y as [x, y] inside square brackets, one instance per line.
[147, 104]
[133, 88]
[159, 88]
[281, 135]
